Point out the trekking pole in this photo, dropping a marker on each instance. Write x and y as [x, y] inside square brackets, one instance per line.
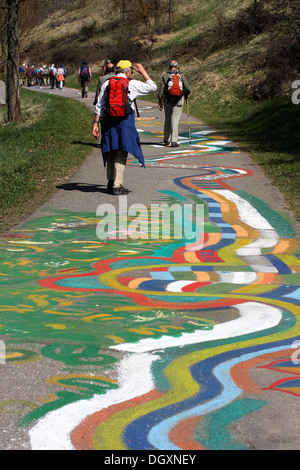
[189, 122]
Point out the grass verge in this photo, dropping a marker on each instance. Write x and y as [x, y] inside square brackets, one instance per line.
[41, 153]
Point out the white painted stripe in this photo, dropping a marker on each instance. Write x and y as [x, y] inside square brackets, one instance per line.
[247, 212]
[177, 286]
[254, 316]
[53, 431]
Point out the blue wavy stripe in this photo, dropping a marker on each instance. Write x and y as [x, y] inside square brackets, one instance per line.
[136, 434]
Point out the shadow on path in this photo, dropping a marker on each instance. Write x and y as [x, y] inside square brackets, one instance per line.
[91, 144]
[83, 187]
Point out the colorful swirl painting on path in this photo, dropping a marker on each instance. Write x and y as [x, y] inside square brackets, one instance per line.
[154, 344]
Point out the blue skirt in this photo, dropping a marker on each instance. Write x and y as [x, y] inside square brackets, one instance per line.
[121, 135]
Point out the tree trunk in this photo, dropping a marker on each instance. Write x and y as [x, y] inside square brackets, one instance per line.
[157, 13]
[123, 10]
[13, 63]
[171, 15]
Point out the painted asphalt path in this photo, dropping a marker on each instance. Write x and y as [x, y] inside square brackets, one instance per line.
[158, 343]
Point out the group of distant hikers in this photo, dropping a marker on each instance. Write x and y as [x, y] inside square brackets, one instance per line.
[45, 75]
[115, 107]
[115, 102]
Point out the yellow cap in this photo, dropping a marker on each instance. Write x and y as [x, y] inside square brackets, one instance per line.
[124, 64]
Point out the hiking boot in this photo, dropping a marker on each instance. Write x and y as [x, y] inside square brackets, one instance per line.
[119, 191]
[174, 144]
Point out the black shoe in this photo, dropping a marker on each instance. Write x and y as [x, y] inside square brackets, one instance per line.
[174, 144]
[166, 143]
[120, 190]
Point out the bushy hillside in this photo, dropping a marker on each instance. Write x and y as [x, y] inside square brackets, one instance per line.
[249, 41]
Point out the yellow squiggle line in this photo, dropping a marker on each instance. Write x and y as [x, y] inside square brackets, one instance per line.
[36, 248]
[59, 379]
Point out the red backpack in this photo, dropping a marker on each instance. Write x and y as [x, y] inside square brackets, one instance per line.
[175, 85]
[117, 102]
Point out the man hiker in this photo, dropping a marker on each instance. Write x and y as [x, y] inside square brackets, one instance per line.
[173, 89]
[84, 77]
[106, 64]
[115, 110]
[109, 72]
